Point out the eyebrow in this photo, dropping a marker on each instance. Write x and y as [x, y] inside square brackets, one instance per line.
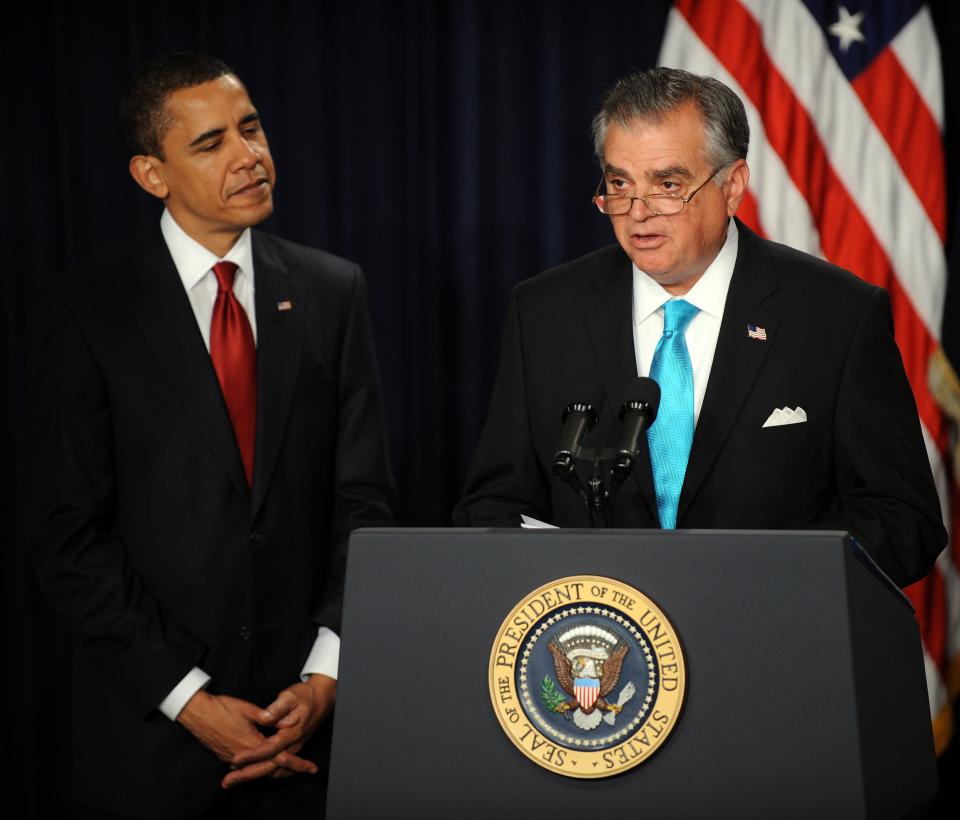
[656, 173]
[612, 169]
[672, 171]
[216, 132]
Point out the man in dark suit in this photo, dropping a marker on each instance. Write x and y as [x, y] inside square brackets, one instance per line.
[207, 430]
[785, 403]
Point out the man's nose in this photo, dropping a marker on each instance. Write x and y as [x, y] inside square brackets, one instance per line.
[246, 154]
[639, 209]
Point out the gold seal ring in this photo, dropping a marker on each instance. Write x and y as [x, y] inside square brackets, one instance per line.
[587, 676]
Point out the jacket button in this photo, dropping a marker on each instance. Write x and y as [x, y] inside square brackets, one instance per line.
[256, 536]
[246, 633]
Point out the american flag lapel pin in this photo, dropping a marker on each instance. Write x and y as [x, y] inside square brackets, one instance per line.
[284, 305]
[757, 332]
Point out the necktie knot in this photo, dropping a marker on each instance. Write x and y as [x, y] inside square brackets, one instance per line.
[225, 273]
[677, 314]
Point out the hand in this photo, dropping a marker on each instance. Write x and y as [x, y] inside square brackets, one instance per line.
[228, 726]
[296, 713]
[225, 725]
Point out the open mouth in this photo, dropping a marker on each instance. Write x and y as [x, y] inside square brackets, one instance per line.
[647, 240]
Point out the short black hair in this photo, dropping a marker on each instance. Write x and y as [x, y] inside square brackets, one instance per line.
[142, 107]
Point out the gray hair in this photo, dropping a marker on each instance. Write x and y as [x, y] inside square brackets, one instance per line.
[651, 95]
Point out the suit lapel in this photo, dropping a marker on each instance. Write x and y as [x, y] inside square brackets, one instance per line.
[737, 361]
[166, 318]
[610, 321]
[281, 318]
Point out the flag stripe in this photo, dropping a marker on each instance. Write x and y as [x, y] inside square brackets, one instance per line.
[905, 121]
[918, 51]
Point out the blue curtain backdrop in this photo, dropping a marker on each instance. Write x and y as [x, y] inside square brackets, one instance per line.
[443, 145]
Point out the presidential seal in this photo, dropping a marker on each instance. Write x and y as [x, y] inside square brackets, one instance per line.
[587, 676]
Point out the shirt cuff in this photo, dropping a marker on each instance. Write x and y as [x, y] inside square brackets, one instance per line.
[324, 658]
[195, 680]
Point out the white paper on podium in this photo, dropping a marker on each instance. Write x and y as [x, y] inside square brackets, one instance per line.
[528, 523]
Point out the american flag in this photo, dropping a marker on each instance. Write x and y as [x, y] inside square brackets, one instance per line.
[755, 332]
[845, 105]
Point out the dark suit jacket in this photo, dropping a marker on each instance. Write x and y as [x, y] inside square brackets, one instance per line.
[857, 464]
[147, 537]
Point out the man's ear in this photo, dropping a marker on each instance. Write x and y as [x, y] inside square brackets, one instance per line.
[147, 172]
[736, 185]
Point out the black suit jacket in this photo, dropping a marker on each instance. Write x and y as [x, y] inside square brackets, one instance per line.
[857, 464]
[148, 538]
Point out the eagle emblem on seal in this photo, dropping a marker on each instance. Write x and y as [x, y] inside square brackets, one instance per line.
[587, 660]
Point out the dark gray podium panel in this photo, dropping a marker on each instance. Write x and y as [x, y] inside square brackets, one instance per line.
[805, 689]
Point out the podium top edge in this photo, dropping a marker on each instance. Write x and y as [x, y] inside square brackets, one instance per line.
[851, 544]
[610, 531]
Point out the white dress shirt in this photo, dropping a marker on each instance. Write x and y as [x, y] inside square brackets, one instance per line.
[195, 264]
[709, 294]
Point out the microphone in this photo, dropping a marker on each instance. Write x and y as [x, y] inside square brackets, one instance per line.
[638, 412]
[578, 419]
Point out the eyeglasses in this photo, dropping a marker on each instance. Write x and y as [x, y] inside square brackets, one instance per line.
[657, 204]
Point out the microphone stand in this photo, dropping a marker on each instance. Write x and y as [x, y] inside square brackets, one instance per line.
[636, 415]
[599, 508]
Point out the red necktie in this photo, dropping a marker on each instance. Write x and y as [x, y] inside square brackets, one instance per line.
[235, 360]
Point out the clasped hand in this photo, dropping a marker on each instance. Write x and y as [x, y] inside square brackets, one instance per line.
[229, 727]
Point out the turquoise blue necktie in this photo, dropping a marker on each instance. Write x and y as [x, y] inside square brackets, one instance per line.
[671, 435]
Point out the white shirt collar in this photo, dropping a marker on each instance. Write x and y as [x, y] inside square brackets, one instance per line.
[193, 261]
[709, 293]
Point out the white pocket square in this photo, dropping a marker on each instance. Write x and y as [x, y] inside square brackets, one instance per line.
[786, 416]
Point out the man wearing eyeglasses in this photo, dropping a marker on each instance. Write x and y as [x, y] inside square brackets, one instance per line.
[784, 400]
